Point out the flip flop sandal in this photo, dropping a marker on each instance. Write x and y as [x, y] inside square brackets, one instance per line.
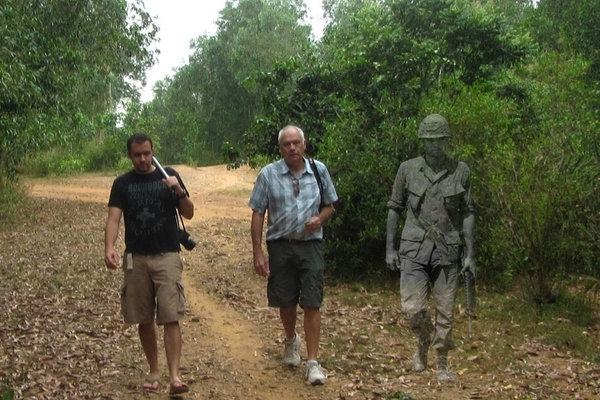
[151, 385]
[178, 388]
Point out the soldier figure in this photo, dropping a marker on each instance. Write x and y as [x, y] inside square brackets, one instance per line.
[435, 193]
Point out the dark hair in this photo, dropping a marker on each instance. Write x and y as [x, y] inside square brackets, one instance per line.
[138, 138]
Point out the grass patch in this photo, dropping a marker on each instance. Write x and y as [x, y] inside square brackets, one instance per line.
[91, 157]
[400, 396]
[8, 394]
[12, 199]
[565, 324]
[52, 163]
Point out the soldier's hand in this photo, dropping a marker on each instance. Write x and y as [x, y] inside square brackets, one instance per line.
[469, 265]
[391, 259]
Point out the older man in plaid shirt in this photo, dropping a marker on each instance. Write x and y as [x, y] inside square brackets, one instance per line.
[298, 208]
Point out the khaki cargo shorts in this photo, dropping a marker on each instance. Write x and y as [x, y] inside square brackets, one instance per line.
[152, 287]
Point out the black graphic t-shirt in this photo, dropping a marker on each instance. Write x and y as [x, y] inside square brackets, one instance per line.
[149, 212]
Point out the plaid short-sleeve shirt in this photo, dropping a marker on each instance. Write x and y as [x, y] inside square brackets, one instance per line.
[291, 200]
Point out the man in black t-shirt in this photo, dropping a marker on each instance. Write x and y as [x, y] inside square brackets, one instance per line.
[152, 288]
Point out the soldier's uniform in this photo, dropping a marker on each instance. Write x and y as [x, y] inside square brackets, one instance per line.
[431, 243]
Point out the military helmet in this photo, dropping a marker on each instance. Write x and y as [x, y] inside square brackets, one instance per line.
[434, 126]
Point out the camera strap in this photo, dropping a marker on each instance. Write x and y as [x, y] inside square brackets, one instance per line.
[315, 170]
[179, 219]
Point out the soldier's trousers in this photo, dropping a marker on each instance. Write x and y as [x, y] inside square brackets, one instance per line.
[417, 283]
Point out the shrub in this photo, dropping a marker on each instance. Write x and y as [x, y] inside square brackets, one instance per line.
[363, 162]
[12, 195]
[54, 162]
[107, 153]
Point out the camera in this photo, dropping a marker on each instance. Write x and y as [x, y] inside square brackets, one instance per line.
[186, 240]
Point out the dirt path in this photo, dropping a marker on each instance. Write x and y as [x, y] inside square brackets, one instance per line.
[62, 335]
[226, 356]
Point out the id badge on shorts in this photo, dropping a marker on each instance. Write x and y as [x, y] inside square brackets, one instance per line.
[129, 260]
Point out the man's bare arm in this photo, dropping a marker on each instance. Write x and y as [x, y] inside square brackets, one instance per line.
[111, 233]
[261, 264]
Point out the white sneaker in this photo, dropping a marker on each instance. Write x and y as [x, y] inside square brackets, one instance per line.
[291, 353]
[314, 373]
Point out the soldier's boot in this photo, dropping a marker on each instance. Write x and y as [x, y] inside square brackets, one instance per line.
[443, 374]
[420, 357]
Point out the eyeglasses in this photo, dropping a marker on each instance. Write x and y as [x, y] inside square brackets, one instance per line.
[288, 144]
[296, 187]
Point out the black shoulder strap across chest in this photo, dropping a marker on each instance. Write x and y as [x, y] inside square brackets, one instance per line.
[315, 171]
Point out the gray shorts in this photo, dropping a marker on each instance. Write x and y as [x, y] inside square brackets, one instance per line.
[152, 285]
[296, 273]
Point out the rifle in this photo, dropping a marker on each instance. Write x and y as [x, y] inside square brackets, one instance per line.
[470, 299]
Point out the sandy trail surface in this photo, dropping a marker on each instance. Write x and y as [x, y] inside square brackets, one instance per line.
[62, 334]
[226, 353]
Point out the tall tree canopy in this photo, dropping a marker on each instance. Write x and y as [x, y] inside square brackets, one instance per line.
[63, 62]
[565, 25]
[215, 91]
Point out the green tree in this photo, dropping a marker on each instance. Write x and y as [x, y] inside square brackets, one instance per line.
[571, 26]
[213, 99]
[62, 63]
[383, 60]
[541, 212]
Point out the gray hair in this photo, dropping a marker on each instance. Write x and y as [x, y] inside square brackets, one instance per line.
[285, 128]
